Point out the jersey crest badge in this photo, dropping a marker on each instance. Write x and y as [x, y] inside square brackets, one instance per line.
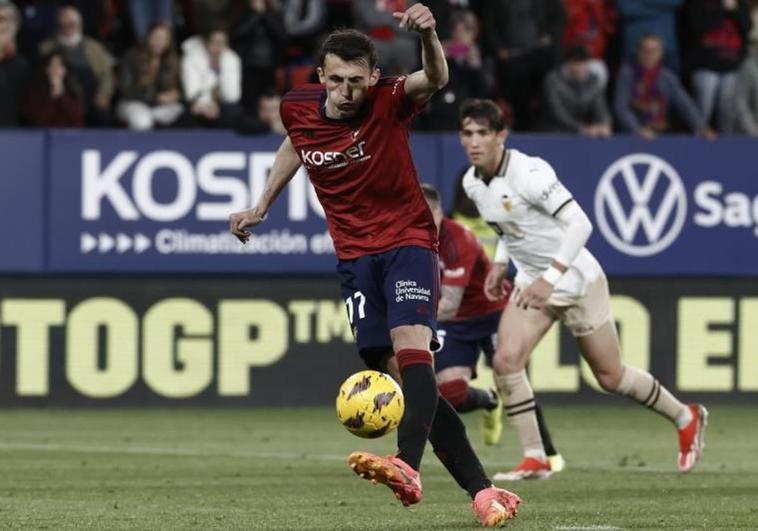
[506, 202]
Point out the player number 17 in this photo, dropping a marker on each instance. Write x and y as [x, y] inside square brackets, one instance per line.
[361, 306]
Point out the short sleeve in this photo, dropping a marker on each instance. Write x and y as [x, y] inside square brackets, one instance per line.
[405, 108]
[541, 187]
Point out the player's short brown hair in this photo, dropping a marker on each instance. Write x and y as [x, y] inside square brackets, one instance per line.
[349, 45]
[482, 111]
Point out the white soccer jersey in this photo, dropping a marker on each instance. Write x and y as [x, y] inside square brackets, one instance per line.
[520, 203]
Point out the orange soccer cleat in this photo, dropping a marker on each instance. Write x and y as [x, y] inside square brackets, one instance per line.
[494, 506]
[392, 471]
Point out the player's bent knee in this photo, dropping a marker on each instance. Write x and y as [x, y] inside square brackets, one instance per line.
[506, 362]
[410, 337]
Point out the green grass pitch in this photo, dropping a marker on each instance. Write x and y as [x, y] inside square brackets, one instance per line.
[284, 469]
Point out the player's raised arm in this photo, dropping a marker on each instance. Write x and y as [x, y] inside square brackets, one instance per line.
[422, 84]
[285, 166]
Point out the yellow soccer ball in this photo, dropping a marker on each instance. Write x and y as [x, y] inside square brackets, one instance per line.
[370, 404]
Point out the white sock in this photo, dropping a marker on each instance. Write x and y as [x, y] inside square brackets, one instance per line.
[684, 418]
[641, 387]
[518, 399]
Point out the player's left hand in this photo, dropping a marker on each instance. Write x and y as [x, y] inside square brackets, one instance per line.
[535, 295]
[418, 18]
[240, 222]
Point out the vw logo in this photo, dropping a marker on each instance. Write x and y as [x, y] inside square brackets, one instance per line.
[644, 198]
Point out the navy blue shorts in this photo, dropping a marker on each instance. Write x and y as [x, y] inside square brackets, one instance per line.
[390, 289]
[462, 342]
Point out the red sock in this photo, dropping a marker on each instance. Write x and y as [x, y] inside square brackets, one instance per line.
[454, 391]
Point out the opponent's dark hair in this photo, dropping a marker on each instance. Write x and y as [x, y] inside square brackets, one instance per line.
[430, 192]
[349, 45]
[482, 111]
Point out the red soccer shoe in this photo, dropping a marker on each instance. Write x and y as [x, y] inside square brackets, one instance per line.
[692, 439]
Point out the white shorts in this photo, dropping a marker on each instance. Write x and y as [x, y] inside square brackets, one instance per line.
[585, 314]
[588, 313]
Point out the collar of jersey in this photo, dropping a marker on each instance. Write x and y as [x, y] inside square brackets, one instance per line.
[501, 170]
[357, 118]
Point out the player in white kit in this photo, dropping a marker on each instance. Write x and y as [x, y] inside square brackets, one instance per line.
[543, 230]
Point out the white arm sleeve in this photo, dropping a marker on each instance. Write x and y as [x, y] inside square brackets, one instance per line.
[578, 228]
[501, 252]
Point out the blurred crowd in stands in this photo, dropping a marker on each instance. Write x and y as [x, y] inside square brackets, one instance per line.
[590, 67]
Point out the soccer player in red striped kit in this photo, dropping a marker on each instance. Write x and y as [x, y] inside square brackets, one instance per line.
[351, 134]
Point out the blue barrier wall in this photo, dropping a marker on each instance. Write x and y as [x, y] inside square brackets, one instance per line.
[114, 201]
[22, 201]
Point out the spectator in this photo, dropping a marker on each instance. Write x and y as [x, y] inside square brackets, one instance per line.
[88, 62]
[649, 17]
[55, 98]
[266, 119]
[304, 21]
[268, 113]
[396, 49]
[260, 39]
[718, 29]
[147, 13]
[104, 20]
[37, 23]
[746, 97]
[149, 82]
[525, 36]
[469, 77]
[13, 67]
[590, 23]
[646, 92]
[574, 98]
[212, 78]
